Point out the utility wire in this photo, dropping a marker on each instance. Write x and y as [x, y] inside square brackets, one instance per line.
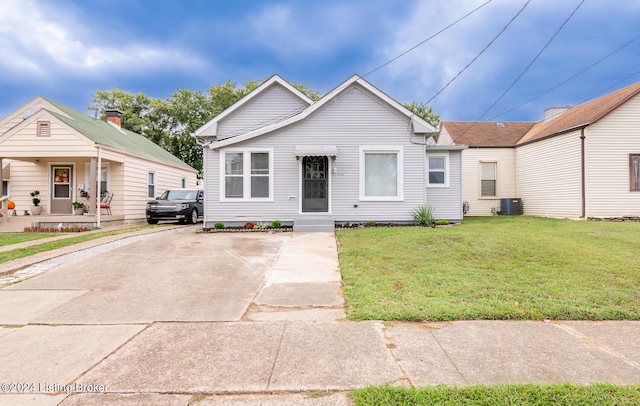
[481, 52]
[526, 68]
[431, 37]
[568, 79]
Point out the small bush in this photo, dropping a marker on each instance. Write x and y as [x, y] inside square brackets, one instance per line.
[219, 225]
[370, 223]
[276, 224]
[423, 216]
[249, 225]
[442, 222]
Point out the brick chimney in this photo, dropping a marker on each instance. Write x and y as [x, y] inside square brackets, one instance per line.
[114, 117]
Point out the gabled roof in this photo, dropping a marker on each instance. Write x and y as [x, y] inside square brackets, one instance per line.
[418, 124]
[486, 134]
[273, 80]
[105, 134]
[491, 134]
[582, 115]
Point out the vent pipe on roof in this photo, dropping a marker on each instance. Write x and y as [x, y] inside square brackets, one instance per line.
[114, 116]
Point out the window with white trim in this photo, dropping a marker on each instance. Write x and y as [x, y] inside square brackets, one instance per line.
[634, 172]
[247, 174]
[381, 173]
[488, 177]
[151, 184]
[438, 169]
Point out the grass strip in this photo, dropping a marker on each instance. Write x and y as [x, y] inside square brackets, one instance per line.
[65, 242]
[500, 395]
[16, 238]
[496, 268]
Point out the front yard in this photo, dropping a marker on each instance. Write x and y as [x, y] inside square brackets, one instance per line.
[493, 268]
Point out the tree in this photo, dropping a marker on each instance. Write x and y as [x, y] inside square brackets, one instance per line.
[171, 122]
[425, 112]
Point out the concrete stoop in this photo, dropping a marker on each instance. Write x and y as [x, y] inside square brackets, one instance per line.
[313, 224]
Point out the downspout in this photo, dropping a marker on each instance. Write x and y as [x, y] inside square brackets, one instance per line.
[98, 191]
[582, 173]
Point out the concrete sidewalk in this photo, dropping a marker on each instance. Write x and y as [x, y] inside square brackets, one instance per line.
[290, 347]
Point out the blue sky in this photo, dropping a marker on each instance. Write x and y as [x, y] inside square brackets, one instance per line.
[67, 50]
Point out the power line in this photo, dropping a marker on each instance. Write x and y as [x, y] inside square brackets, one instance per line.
[481, 52]
[431, 37]
[568, 79]
[527, 67]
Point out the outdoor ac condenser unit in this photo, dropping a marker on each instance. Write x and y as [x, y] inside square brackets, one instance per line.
[511, 206]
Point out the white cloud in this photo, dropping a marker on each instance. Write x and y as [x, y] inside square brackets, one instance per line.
[38, 39]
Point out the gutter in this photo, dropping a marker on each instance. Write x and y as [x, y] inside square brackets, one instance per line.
[582, 173]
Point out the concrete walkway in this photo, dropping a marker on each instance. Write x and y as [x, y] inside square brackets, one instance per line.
[291, 345]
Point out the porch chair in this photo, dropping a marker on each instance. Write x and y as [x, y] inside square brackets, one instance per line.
[105, 203]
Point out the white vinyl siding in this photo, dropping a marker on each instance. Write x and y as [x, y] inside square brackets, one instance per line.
[248, 174]
[272, 105]
[549, 177]
[381, 173]
[609, 142]
[488, 180]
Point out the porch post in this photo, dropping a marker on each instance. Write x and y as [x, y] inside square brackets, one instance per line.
[92, 177]
[98, 191]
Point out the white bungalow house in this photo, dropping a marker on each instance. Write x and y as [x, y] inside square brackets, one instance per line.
[579, 162]
[69, 156]
[356, 155]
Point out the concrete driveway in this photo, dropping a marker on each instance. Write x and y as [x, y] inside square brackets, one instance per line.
[176, 276]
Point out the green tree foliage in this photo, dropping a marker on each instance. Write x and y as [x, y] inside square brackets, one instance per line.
[170, 122]
[425, 112]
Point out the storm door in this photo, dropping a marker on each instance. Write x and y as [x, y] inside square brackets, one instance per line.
[315, 182]
[61, 189]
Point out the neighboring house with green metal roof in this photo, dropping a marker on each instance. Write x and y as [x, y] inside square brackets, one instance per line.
[69, 156]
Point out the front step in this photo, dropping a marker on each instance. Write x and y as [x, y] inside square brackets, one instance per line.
[311, 224]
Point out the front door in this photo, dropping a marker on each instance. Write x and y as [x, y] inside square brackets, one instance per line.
[315, 181]
[61, 189]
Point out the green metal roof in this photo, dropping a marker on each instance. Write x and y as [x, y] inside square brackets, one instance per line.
[103, 133]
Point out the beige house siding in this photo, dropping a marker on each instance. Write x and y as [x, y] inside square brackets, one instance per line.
[548, 176]
[63, 142]
[25, 178]
[608, 145]
[19, 115]
[505, 159]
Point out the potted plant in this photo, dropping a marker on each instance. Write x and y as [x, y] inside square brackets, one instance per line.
[78, 208]
[36, 208]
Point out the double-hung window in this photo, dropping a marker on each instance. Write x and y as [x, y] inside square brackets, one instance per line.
[488, 172]
[247, 174]
[151, 184]
[381, 173]
[634, 172]
[438, 164]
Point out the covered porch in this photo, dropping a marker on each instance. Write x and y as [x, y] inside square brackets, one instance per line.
[61, 183]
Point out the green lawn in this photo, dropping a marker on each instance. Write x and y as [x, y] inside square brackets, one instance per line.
[507, 395]
[14, 238]
[493, 268]
[48, 246]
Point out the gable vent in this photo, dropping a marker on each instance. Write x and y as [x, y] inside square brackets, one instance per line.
[44, 129]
